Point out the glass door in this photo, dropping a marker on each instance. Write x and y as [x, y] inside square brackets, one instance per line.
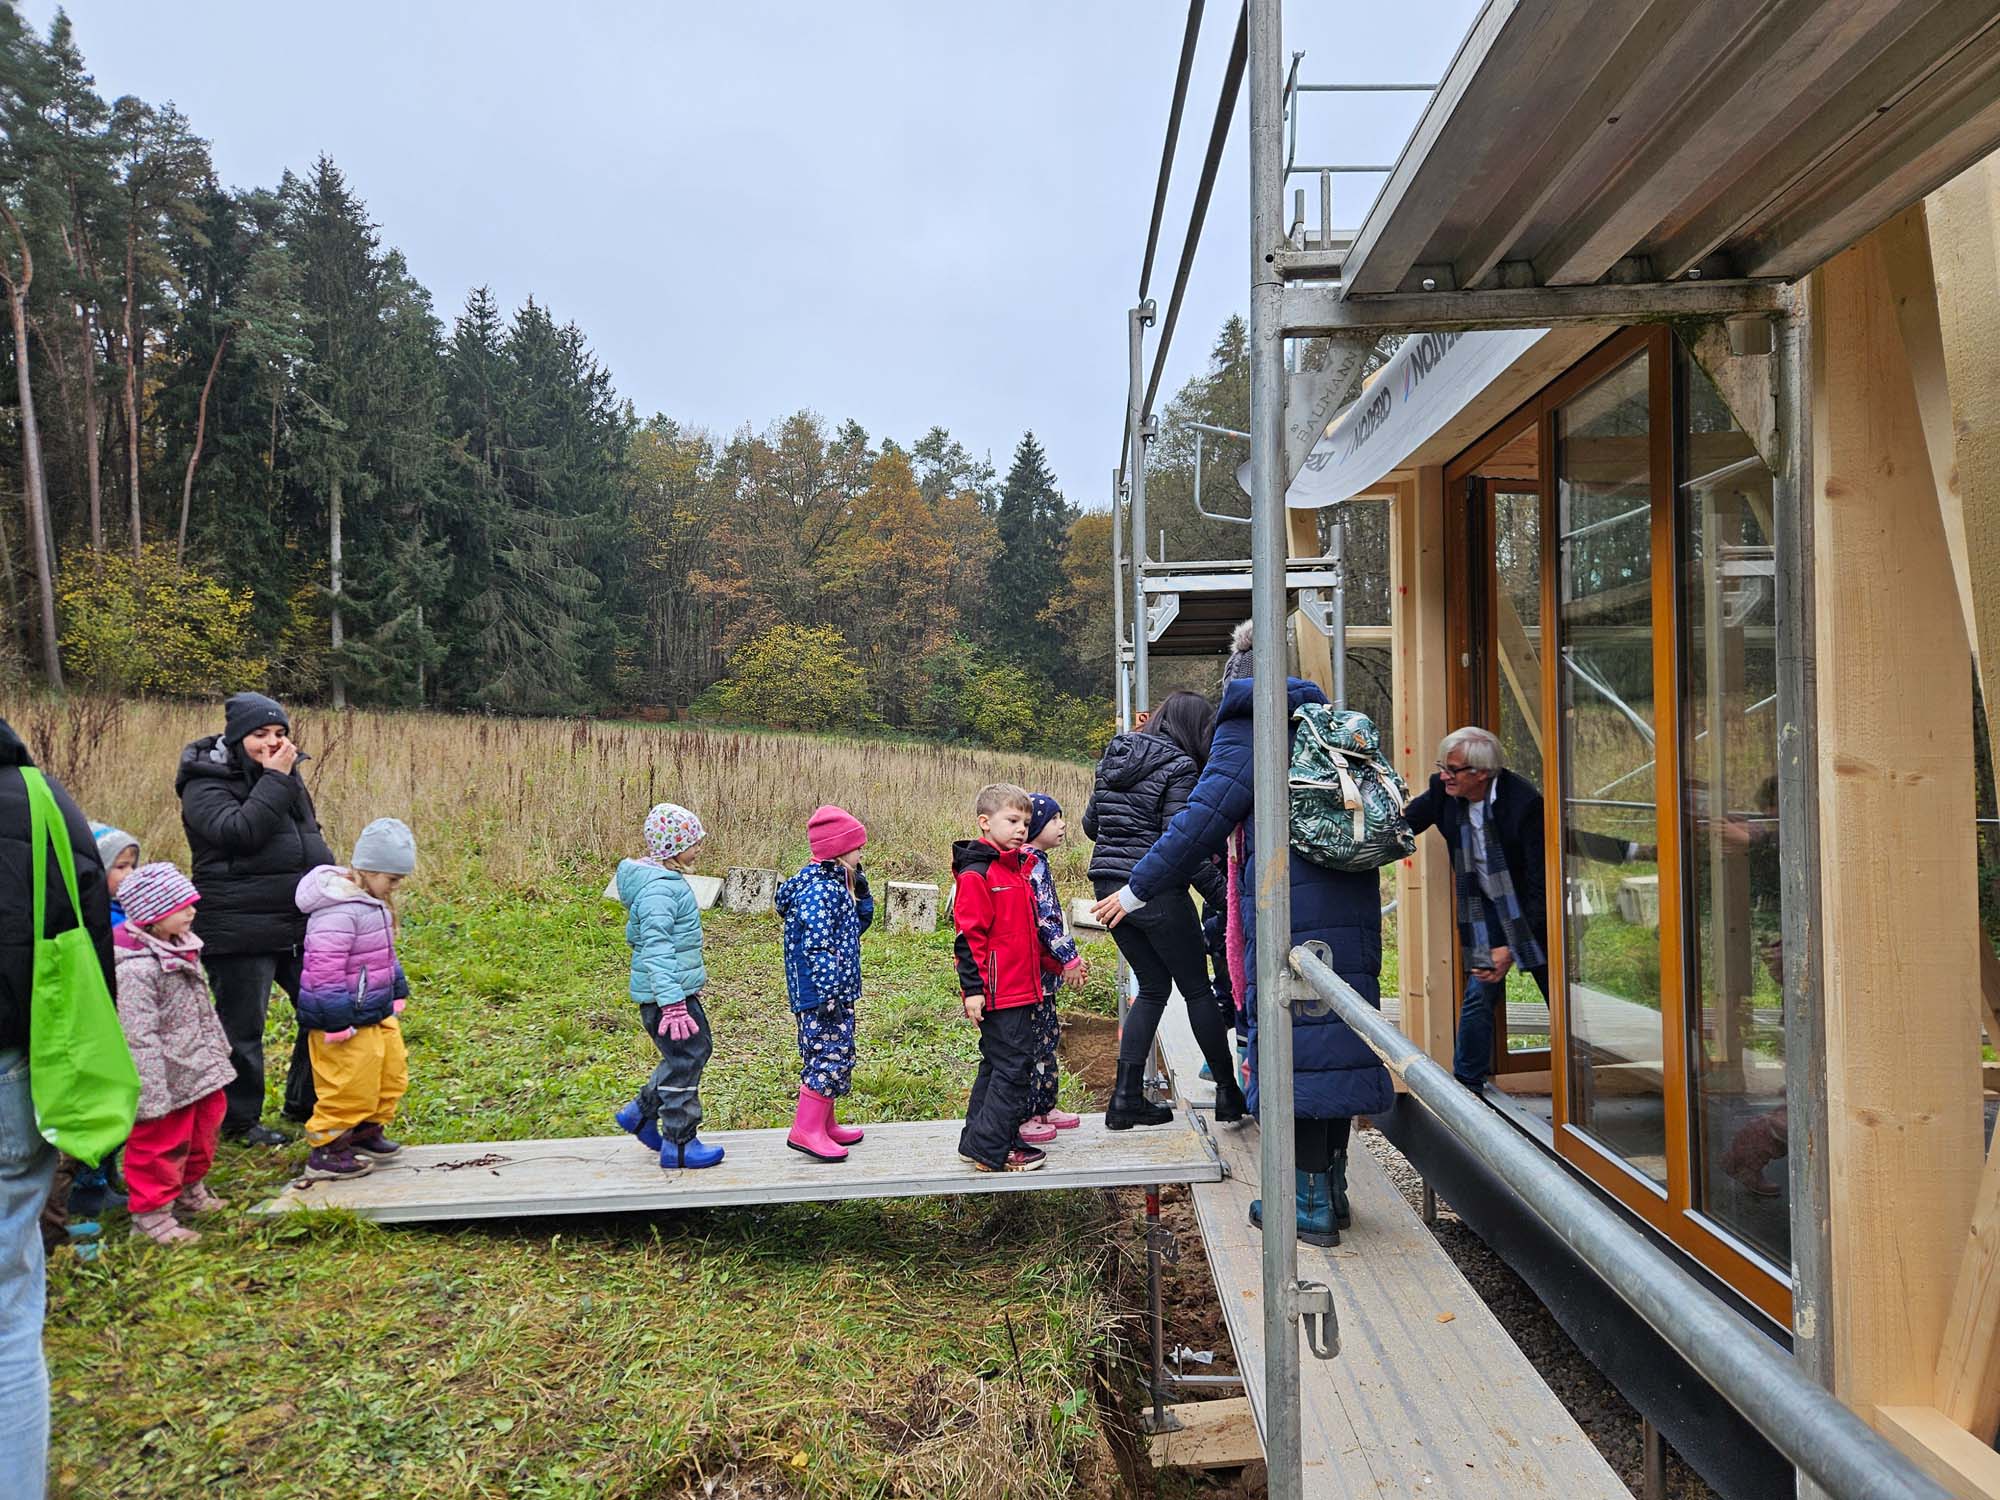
[1615, 1055]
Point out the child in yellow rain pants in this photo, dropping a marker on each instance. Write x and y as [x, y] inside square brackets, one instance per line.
[351, 991]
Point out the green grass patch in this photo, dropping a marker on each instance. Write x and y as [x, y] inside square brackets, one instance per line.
[827, 1350]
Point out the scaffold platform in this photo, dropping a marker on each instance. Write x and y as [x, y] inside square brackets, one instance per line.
[614, 1174]
[1428, 1394]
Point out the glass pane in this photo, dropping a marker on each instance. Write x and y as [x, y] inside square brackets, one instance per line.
[1517, 607]
[1729, 779]
[1611, 896]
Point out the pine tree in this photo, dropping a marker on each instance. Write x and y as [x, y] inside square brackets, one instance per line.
[1026, 576]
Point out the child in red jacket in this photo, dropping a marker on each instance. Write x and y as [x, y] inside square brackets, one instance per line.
[1000, 962]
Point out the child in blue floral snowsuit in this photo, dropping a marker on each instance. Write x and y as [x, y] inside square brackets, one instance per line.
[1046, 831]
[826, 907]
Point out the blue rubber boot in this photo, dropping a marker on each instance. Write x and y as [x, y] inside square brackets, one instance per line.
[1315, 1212]
[696, 1153]
[632, 1122]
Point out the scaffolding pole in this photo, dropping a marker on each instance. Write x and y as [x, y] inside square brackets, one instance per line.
[1270, 761]
[1121, 685]
[1136, 428]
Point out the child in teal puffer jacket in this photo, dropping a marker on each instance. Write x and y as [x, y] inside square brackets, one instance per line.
[663, 927]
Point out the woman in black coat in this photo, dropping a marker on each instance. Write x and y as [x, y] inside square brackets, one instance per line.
[252, 833]
[1143, 780]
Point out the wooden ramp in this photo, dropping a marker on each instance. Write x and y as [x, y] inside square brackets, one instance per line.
[614, 1174]
[1428, 1395]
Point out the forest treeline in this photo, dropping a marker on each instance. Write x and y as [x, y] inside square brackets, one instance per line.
[249, 449]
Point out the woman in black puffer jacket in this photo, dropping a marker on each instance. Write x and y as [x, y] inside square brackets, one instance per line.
[252, 833]
[1143, 779]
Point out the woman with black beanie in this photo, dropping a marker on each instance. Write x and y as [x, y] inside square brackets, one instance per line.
[252, 834]
[1143, 779]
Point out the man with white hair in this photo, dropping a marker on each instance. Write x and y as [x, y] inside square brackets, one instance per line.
[1492, 819]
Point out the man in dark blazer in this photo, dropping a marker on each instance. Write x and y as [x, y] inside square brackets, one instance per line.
[1491, 818]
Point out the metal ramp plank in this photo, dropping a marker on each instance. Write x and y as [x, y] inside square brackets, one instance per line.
[1428, 1393]
[614, 1174]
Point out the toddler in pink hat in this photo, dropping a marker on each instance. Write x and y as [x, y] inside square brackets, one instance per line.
[826, 907]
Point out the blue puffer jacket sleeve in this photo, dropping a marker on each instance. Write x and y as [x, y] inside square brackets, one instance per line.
[864, 900]
[663, 913]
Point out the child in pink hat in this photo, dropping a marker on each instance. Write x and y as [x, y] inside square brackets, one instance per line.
[826, 907]
[179, 1048]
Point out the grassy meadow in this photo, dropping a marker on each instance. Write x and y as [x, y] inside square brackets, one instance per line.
[916, 1347]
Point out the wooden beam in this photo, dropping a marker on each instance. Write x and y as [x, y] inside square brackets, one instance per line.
[1315, 650]
[1423, 881]
[1968, 1368]
[1966, 1467]
[1943, 260]
[1899, 902]
[1211, 1435]
[1520, 665]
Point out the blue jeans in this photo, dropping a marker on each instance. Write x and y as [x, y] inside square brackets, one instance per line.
[27, 1167]
[1472, 1059]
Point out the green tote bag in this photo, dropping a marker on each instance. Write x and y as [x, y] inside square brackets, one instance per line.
[86, 1089]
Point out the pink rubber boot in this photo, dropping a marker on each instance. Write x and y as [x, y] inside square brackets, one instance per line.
[809, 1128]
[846, 1135]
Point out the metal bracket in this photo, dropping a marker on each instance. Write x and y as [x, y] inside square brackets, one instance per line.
[1318, 608]
[1302, 997]
[1161, 613]
[1160, 1241]
[1312, 1305]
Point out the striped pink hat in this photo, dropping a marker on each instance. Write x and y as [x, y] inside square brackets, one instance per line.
[154, 892]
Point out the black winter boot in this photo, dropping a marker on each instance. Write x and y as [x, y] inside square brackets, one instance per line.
[1129, 1105]
[1230, 1105]
[1337, 1180]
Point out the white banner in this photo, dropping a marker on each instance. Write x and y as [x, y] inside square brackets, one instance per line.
[1427, 381]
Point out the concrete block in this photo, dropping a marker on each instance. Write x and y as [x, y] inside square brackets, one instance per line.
[913, 906]
[1080, 917]
[707, 890]
[748, 890]
[1639, 900]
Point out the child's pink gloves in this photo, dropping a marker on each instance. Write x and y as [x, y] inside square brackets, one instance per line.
[676, 1025]
[397, 1006]
[340, 1036]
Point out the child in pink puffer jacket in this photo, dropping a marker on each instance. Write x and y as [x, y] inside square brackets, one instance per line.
[351, 990]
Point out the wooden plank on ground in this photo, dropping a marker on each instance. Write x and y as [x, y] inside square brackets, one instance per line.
[1428, 1394]
[614, 1174]
[1210, 1435]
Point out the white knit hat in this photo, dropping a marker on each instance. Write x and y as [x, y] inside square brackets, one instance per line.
[387, 847]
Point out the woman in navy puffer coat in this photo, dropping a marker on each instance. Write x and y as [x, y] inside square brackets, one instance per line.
[1335, 1074]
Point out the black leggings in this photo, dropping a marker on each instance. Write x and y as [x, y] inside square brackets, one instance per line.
[1315, 1141]
[1162, 941]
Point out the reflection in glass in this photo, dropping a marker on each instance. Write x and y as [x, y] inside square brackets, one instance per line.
[1604, 604]
[1517, 609]
[1729, 796]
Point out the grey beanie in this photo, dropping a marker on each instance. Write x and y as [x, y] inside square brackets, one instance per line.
[111, 842]
[387, 847]
[1239, 662]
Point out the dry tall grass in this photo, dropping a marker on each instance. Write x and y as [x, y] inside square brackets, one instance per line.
[527, 801]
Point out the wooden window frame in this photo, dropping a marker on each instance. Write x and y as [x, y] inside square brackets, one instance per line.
[1670, 1210]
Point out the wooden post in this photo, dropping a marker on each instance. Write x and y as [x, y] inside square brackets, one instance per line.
[1424, 881]
[1315, 651]
[1952, 328]
[1898, 895]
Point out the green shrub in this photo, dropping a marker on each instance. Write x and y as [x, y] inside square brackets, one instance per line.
[796, 677]
[156, 626]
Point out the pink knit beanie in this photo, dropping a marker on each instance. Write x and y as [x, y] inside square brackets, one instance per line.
[154, 892]
[832, 832]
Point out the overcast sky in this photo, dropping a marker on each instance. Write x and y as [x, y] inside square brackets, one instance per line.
[904, 213]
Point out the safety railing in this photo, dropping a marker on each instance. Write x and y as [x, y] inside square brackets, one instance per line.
[1802, 1420]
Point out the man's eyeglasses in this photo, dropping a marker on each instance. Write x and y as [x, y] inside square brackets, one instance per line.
[1451, 773]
